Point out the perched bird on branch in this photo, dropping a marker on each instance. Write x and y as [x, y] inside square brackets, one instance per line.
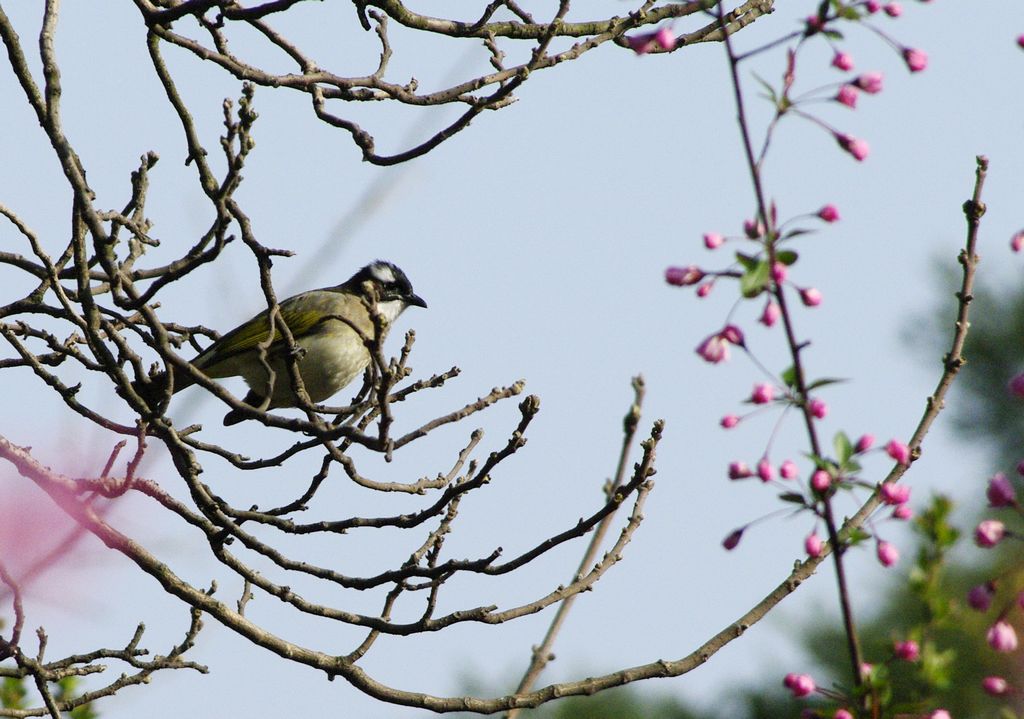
[331, 328]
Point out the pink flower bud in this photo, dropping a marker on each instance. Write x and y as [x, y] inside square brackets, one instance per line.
[810, 296]
[788, 469]
[917, 60]
[771, 314]
[705, 289]
[869, 82]
[902, 512]
[729, 421]
[872, 6]
[821, 480]
[847, 95]
[865, 670]
[1002, 637]
[1016, 386]
[940, 714]
[908, 651]
[763, 393]
[842, 61]
[713, 240]
[1020, 41]
[800, 684]
[813, 545]
[829, 213]
[856, 147]
[989, 533]
[980, 596]
[682, 276]
[995, 686]
[641, 44]
[898, 451]
[887, 553]
[818, 408]
[713, 349]
[765, 470]
[779, 272]
[865, 443]
[842, 714]
[1000, 492]
[739, 470]
[665, 38]
[894, 494]
[733, 540]
[813, 24]
[732, 334]
[753, 228]
[893, 9]
[1017, 241]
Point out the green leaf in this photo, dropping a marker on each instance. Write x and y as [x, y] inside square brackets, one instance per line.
[753, 281]
[843, 447]
[786, 257]
[748, 262]
[789, 376]
[824, 382]
[794, 497]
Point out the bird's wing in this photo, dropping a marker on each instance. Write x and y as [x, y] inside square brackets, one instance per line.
[300, 317]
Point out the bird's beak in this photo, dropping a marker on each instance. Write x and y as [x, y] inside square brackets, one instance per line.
[415, 301]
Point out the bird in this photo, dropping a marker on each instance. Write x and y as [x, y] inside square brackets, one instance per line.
[324, 325]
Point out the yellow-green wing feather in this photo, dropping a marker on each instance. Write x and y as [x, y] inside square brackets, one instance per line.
[300, 316]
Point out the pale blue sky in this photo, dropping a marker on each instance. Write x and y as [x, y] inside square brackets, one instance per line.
[539, 237]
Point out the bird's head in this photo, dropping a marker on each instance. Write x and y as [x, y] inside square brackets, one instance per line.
[390, 285]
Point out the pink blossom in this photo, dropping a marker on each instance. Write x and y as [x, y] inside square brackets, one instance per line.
[765, 470]
[665, 38]
[771, 314]
[729, 421]
[1020, 41]
[995, 686]
[847, 95]
[1017, 241]
[908, 651]
[788, 469]
[989, 533]
[893, 9]
[713, 240]
[894, 494]
[818, 408]
[810, 296]
[732, 334]
[739, 470]
[887, 553]
[865, 443]
[1016, 385]
[733, 540]
[821, 480]
[713, 349]
[980, 596]
[869, 82]
[813, 24]
[898, 451]
[829, 213]
[842, 714]
[872, 6]
[917, 60]
[779, 272]
[763, 393]
[682, 276]
[842, 61]
[800, 684]
[645, 42]
[705, 289]
[813, 545]
[940, 714]
[1000, 491]
[1002, 636]
[902, 512]
[753, 228]
[856, 147]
